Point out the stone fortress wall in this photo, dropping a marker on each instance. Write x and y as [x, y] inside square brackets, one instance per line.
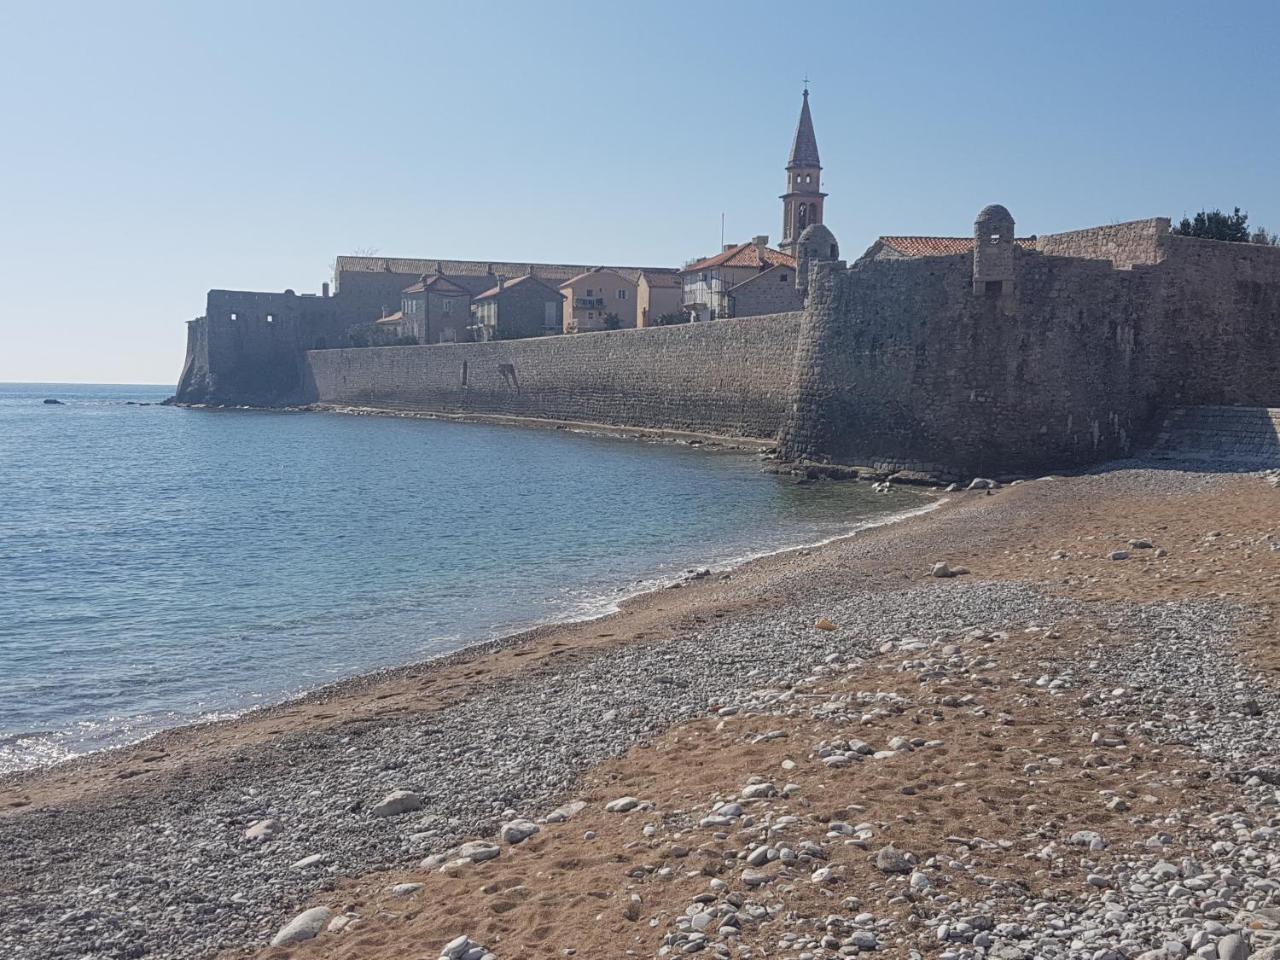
[727, 377]
[1058, 356]
[901, 365]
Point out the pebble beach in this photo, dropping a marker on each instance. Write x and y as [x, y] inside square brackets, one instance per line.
[1069, 750]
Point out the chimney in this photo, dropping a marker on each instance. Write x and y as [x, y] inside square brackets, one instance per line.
[502, 282]
[727, 247]
[760, 241]
[324, 289]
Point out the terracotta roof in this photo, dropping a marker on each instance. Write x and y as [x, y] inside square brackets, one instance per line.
[939, 246]
[443, 283]
[515, 281]
[392, 318]
[744, 255]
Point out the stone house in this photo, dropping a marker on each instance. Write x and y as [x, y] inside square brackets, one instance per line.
[658, 293]
[600, 299]
[707, 284]
[518, 308]
[769, 291]
[433, 310]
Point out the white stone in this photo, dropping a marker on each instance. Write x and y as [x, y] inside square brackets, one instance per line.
[304, 926]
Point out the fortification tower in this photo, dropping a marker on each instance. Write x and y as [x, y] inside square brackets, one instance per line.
[993, 251]
[802, 203]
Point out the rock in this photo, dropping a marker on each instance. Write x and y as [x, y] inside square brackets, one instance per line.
[478, 851]
[982, 483]
[1140, 543]
[405, 889]
[517, 831]
[1087, 838]
[263, 830]
[621, 805]
[311, 861]
[1118, 555]
[891, 860]
[395, 803]
[566, 811]
[631, 909]
[304, 926]
[825, 624]
[943, 569]
[1232, 947]
[52, 402]
[455, 948]
[755, 791]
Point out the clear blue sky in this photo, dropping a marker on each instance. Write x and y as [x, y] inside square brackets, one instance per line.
[150, 151]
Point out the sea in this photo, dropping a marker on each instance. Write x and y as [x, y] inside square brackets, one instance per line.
[161, 565]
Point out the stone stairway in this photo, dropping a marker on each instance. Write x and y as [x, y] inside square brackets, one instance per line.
[1242, 438]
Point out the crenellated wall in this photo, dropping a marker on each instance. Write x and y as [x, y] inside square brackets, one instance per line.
[725, 377]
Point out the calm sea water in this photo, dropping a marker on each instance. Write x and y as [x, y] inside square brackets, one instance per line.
[160, 565]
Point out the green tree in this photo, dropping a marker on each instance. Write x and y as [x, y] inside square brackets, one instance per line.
[612, 321]
[671, 319]
[1265, 237]
[1216, 225]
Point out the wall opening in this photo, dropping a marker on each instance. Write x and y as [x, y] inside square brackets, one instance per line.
[464, 373]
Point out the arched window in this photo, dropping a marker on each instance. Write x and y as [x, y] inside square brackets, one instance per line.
[804, 215]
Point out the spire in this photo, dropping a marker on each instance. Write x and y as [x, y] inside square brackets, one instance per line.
[804, 151]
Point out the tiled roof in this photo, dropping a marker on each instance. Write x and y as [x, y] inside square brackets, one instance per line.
[393, 318]
[555, 273]
[661, 278]
[438, 281]
[939, 246]
[507, 285]
[744, 255]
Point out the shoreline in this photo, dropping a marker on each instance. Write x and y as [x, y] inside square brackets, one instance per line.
[647, 589]
[978, 725]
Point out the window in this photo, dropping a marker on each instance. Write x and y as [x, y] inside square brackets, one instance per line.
[235, 316]
[271, 318]
[590, 292]
[590, 315]
[448, 306]
[622, 294]
[782, 277]
[807, 178]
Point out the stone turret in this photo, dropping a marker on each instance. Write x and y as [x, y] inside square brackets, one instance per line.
[993, 252]
[815, 245]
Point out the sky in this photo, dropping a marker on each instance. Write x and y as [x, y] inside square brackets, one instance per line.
[152, 151]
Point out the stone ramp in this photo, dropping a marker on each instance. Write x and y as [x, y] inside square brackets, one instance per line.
[1241, 438]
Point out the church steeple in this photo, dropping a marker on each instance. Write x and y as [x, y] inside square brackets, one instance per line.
[802, 203]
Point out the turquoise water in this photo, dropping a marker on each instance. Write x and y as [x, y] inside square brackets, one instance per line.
[160, 565]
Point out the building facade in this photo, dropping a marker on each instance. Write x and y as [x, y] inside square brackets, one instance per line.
[435, 310]
[599, 299]
[659, 294]
[707, 284]
[513, 309]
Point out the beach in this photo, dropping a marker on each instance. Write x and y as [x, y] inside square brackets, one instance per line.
[822, 752]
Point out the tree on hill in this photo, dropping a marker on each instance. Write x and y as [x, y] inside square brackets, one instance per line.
[1216, 225]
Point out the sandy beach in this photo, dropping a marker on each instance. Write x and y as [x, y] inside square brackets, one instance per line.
[1055, 754]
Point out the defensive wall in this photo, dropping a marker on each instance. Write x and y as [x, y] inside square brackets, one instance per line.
[901, 365]
[1003, 360]
[725, 377]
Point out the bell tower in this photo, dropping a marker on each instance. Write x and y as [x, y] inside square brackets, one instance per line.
[802, 203]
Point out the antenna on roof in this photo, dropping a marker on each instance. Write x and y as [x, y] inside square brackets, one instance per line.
[721, 229]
